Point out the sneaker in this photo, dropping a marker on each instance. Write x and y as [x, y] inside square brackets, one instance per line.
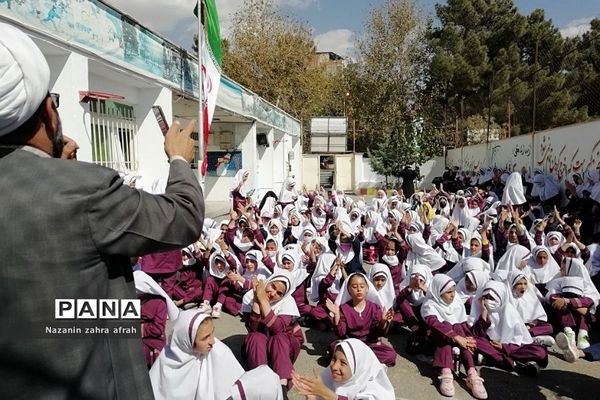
[583, 340]
[216, 311]
[475, 385]
[479, 359]
[446, 385]
[530, 368]
[568, 348]
[545, 340]
[205, 308]
[570, 334]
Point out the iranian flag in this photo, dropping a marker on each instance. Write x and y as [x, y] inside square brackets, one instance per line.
[209, 44]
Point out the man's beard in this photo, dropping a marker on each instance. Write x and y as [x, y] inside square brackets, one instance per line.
[57, 142]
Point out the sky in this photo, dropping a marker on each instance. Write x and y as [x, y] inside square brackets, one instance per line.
[335, 23]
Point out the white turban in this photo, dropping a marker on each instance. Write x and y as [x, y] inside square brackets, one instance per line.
[25, 78]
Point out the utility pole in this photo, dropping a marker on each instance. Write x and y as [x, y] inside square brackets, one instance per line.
[353, 136]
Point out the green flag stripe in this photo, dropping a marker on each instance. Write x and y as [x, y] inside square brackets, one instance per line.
[213, 31]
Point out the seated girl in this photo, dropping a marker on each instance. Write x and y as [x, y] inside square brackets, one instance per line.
[469, 286]
[194, 365]
[325, 285]
[232, 290]
[574, 298]
[219, 264]
[501, 334]
[274, 337]
[543, 267]
[156, 305]
[354, 373]
[381, 278]
[412, 294]
[188, 290]
[526, 299]
[444, 313]
[358, 313]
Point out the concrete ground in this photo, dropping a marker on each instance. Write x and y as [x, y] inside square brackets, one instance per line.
[414, 378]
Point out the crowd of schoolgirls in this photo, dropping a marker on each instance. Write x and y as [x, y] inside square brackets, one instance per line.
[494, 273]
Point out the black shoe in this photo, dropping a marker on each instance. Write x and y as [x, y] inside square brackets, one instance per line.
[284, 391]
[529, 368]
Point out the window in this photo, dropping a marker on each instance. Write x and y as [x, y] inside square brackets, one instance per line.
[114, 135]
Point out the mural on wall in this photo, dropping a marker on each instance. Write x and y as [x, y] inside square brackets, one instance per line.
[561, 151]
[111, 34]
[108, 33]
[565, 159]
[224, 163]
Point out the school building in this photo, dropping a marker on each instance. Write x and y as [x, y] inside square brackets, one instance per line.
[109, 71]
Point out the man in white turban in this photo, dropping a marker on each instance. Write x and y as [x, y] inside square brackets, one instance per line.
[69, 230]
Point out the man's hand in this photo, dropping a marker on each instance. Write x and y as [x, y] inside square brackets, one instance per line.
[178, 142]
[70, 148]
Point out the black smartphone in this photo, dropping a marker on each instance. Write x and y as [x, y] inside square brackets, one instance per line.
[160, 118]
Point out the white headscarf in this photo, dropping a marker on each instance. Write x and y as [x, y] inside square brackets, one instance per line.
[511, 260]
[529, 305]
[372, 294]
[145, 284]
[284, 306]
[369, 380]
[506, 325]
[268, 209]
[468, 264]
[296, 229]
[212, 268]
[386, 293]
[25, 78]
[477, 278]
[557, 235]
[318, 219]
[238, 182]
[261, 383]
[543, 273]
[288, 191]
[299, 273]
[513, 191]
[417, 296]
[544, 186]
[462, 215]
[324, 264]
[261, 272]
[421, 253]
[454, 312]
[181, 373]
[375, 224]
[279, 237]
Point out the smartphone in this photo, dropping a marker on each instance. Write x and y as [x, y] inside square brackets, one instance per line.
[160, 118]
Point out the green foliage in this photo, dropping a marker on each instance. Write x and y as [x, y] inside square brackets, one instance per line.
[385, 85]
[488, 60]
[274, 56]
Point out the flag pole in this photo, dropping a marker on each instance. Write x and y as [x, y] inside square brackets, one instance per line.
[201, 97]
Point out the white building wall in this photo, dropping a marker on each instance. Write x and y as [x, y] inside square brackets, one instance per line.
[153, 162]
[561, 151]
[264, 168]
[69, 74]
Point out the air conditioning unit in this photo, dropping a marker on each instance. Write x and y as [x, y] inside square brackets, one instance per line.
[261, 140]
[226, 140]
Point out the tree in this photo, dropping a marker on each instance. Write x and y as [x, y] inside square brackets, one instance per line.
[589, 68]
[274, 56]
[385, 83]
[491, 61]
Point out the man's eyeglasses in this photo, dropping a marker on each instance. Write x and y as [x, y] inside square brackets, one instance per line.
[55, 99]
